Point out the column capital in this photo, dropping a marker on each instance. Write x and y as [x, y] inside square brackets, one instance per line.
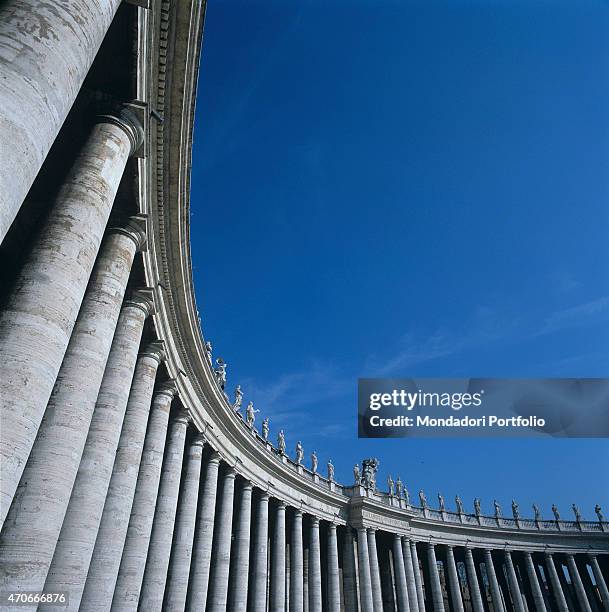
[133, 227]
[281, 504]
[247, 485]
[314, 521]
[297, 512]
[264, 496]
[198, 440]
[183, 417]
[155, 350]
[214, 457]
[130, 118]
[332, 526]
[167, 387]
[230, 472]
[142, 298]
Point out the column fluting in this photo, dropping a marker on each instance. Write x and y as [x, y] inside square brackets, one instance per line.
[365, 579]
[314, 565]
[472, 581]
[580, 591]
[239, 575]
[259, 573]
[296, 564]
[333, 571]
[278, 561]
[434, 579]
[375, 574]
[559, 596]
[493, 582]
[42, 308]
[600, 581]
[513, 583]
[401, 586]
[540, 605]
[456, 600]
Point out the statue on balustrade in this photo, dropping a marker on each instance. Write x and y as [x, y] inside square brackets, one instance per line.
[369, 468]
[238, 398]
[497, 508]
[390, 485]
[578, 516]
[330, 471]
[406, 495]
[515, 511]
[477, 510]
[220, 372]
[423, 499]
[299, 453]
[281, 442]
[441, 504]
[251, 414]
[555, 512]
[599, 513]
[265, 428]
[537, 512]
[459, 505]
[399, 487]
[356, 475]
[208, 351]
[314, 462]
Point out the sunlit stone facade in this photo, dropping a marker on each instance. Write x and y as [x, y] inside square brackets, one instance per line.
[128, 479]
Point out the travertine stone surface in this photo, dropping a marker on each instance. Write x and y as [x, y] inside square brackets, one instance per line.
[401, 588]
[29, 536]
[240, 562]
[417, 575]
[333, 570]
[513, 583]
[453, 581]
[43, 305]
[296, 565]
[413, 598]
[365, 581]
[277, 596]
[538, 601]
[434, 579]
[472, 581]
[314, 566]
[601, 582]
[557, 591]
[375, 574]
[260, 554]
[46, 50]
[493, 582]
[349, 571]
[580, 592]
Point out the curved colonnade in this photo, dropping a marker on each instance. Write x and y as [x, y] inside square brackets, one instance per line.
[128, 480]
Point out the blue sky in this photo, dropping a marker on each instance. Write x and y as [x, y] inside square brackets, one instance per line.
[386, 188]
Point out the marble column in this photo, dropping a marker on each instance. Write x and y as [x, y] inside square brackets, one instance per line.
[349, 571]
[42, 307]
[559, 596]
[218, 587]
[401, 586]
[538, 600]
[183, 538]
[600, 582]
[375, 574]
[434, 579]
[513, 583]
[365, 579]
[29, 536]
[333, 571]
[159, 549]
[417, 575]
[106, 556]
[472, 581]
[493, 582]
[204, 534]
[296, 565]
[239, 574]
[576, 580]
[413, 600]
[314, 566]
[46, 51]
[135, 549]
[278, 561]
[456, 600]
[70, 564]
[259, 573]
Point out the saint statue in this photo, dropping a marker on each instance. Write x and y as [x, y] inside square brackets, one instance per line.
[265, 428]
[477, 510]
[391, 485]
[238, 398]
[356, 475]
[578, 516]
[399, 487]
[299, 453]
[459, 504]
[441, 504]
[221, 372]
[423, 499]
[208, 351]
[497, 508]
[599, 513]
[555, 512]
[330, 471]
[314, 462]
[515, 511]
[537, 512]
[251, 414]
[281, 442]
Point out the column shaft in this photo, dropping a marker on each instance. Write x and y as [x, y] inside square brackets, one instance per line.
[540, 605]
[365, 579]
[559, 596]
[401, 586]
[29, 537]
[241, 558]
[453, 580]
[296, 565]
[259, 573]
[513, 583]
[375, 574]
[46, 51]
[349, 571]
[278, 561]
[417, 575]
[43, 306]
[472, 581]
[600, 581]
[333, 571]
[314, 566]
[580, 592]
[434, 578]
[413, 600]
[181, 554]
[494, 583]
[106, 556]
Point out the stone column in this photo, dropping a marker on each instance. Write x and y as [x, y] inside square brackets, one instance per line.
[417, 575]
[349, 572]
[375, 574]
[241, 558]
[434, 579]
[46, 51]
[557, 591]
[204, 534]
[278, 561]
[43, 306]
[365, 579]
[29, 537]
[413, 600]
[181, 554]
[456, 600]
[106, 557]
[540, 605]
[513, 583]
[333, 572]
[68, 570]
[135, 550]
[493, 582]
[600, 581]
[296, 565]
[314, 566]
[259, 573]
[159, 550]
[580, 592]
[401, 586]
[472, 581]
[218, 587]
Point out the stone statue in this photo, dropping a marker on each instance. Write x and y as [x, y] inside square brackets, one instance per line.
[599, 513]
[406, 495]
[578, 516]
[399, 487]
[265, 428]
[208, 351]
[497, 508]
[441, 504]
[391, 485]
[221, 372]
[314, 462]
[238, 398]
[330, 471]
[251, 414]
[299, 453]
[356, 475]
[459, 504]
[281, 442]
[423, 499]
[515, 511]
[555, 512]
[369, 469]
[537, 512]
[477, 510]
